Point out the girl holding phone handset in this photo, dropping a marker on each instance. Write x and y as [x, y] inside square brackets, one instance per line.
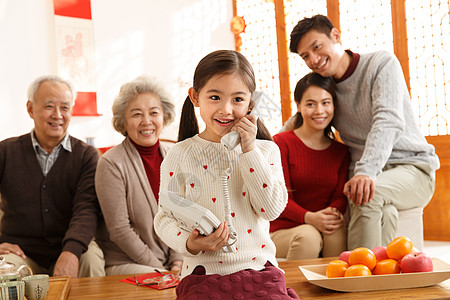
[194, 168]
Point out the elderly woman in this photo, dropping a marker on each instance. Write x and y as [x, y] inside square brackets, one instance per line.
[127, 182]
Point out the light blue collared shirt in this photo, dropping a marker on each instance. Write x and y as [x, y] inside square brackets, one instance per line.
[45, 159]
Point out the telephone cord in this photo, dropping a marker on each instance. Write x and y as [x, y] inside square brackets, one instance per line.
[227, 206]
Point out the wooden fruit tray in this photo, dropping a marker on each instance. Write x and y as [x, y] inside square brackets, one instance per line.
[59, 287]
[316, 275]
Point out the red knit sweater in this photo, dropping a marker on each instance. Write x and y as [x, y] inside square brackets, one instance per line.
[314, 178]
[152, 159]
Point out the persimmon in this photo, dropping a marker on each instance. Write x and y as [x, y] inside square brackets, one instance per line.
[363, 256]
[399, 247]
[336, 268]
[357, 270]
[386, 266]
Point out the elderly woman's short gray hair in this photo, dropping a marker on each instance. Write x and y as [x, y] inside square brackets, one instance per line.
[34, 86]
[130, 90]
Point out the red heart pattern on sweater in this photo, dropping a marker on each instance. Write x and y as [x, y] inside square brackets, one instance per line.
[232, 214]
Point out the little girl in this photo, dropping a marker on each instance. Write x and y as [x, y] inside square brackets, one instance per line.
[315, 169]
[244, 188]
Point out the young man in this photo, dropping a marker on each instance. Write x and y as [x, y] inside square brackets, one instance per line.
[48, 198]
[393, 167]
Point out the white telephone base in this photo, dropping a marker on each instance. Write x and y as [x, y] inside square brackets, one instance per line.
[190, 216]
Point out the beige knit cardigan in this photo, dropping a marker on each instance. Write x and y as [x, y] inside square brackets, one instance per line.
[129, 206]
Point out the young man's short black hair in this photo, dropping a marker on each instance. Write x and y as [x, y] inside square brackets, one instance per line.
[319, 23]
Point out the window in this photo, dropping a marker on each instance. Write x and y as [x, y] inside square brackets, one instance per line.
[429, 63]
[419, 34]
[259, 45]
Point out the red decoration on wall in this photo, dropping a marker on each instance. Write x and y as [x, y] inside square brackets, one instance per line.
[73, 8]
[75, 52]
[85, 104]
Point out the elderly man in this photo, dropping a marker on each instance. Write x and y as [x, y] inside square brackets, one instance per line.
[47, 188]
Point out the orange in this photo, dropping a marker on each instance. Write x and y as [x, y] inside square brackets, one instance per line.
[362, 256]
[399, 247]
[336, 268]
[357, 270]
[386, 266]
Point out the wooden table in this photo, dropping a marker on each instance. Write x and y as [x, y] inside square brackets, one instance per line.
[110, 287]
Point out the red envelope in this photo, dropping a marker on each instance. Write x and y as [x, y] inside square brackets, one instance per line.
[154, 280]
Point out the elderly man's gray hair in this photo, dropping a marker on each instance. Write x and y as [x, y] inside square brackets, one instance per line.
[34, 86]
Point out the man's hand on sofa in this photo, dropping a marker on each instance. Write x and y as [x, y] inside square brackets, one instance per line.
[7, 248]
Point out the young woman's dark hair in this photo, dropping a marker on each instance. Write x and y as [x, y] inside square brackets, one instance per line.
[218, 63]
[319, 23]
[326, 83]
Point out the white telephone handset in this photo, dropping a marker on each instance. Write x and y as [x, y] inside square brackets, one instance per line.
[232, 139]
[190, 216]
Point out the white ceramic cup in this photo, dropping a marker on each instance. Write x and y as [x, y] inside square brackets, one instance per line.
[9, 277]
[12, 290]
[36, 286]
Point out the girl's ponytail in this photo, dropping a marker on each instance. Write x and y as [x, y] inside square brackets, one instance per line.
[262, 133]
[188, 121]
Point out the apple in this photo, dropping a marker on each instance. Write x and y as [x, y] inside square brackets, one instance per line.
[344, 256]
[416, 262]
[380, 253]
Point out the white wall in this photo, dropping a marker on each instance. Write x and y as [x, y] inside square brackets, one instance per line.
[132, 37]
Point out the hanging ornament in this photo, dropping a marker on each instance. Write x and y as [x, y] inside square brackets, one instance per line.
[238, 25]
[238, 43]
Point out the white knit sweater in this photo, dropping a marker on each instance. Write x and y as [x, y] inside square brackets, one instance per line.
[375, 119]
[193, 169]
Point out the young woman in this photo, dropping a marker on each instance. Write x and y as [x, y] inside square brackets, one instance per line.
[315, 169]
[243, 188]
